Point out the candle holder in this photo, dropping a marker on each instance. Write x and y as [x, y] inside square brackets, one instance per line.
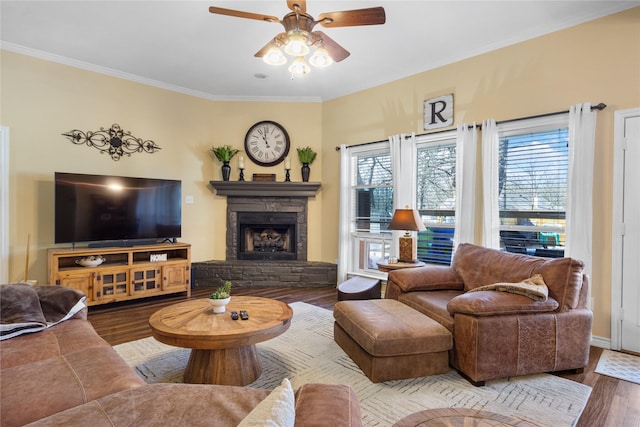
[287, 177]
[241, 174]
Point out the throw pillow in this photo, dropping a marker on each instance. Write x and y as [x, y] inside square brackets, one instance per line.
[276, 410]
[533, 287]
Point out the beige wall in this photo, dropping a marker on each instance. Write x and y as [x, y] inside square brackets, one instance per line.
[595, 62]
[41, 100]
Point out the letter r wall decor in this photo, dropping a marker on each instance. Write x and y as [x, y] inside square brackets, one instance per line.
[438, 112]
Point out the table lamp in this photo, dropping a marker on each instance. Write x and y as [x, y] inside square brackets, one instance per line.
[408, 220]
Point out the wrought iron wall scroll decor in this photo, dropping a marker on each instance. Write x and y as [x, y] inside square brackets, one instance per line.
[115, 141]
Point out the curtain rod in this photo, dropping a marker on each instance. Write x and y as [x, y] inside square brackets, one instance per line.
[406, 137]
[601, 106]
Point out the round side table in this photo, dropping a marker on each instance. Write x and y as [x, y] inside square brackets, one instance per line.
[387, 267]
[460, 417]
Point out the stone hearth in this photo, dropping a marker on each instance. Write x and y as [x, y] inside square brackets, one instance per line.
[248, 273]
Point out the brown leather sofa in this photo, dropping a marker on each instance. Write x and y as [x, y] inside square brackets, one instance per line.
[501, 334]
[67, 375]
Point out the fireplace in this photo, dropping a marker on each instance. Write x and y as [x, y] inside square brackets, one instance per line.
[275, 216]
[266, 235]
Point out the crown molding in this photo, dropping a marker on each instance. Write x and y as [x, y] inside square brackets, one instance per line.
[59, 59]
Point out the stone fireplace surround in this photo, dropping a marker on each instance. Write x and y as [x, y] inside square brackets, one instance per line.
[248, 196]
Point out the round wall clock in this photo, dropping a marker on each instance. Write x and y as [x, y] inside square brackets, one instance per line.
[267, 143]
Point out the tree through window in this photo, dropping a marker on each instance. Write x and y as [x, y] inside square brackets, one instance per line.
[436, 191]
[532, 173]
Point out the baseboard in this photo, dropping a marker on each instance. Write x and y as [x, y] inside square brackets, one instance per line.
[601, 342]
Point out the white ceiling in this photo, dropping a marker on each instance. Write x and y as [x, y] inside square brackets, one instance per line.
[179, 45]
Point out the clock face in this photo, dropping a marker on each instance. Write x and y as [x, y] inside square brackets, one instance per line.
[267, 143]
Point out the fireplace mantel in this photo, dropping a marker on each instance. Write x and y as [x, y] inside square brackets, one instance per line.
[265, 188]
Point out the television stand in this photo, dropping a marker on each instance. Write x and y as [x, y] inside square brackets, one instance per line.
[126, 273]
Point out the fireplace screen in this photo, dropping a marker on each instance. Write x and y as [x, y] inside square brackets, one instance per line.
[266, 235]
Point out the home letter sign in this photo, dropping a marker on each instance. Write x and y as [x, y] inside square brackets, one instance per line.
[438, 112]
[158, 257]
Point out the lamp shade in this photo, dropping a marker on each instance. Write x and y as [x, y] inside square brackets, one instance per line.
[274, 56]
[320, 58]
[406, 219]
[299, 67]
[296, 44]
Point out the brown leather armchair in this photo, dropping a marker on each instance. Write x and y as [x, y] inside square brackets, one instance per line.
[501, 334]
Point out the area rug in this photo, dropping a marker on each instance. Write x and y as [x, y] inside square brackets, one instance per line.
[307, 353]
[619, 365]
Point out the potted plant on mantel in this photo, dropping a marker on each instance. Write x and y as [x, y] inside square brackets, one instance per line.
[224, 154]
[221, 297]
[306, 156]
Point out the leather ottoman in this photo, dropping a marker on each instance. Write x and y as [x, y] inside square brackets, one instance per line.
[390, 341]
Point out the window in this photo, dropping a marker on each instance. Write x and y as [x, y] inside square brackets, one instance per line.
[435, 199]
[372, 207]
[532, 181]
[367, 199]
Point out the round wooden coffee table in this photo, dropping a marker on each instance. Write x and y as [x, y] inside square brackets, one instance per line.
[223, 350]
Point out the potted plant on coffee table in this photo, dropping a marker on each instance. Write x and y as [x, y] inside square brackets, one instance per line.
[221, 297]
[224, 154]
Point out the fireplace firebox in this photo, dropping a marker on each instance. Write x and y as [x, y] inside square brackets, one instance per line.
[266, 235]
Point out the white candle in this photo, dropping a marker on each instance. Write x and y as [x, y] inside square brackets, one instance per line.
[241, 162]
[287, 163]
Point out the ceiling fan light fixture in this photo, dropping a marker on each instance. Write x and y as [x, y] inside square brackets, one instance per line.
[274, 56]
[296, 44]
[299, 67]
[299, 38]
[320, 58]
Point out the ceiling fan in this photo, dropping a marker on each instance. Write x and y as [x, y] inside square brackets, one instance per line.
[299, 38]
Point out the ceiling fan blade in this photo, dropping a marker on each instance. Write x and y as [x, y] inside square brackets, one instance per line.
[297, 5]
[336, 52]
[350, 18]
[262, 52]
[241, 14]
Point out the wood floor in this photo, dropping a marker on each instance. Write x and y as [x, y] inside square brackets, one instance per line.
[612, 402]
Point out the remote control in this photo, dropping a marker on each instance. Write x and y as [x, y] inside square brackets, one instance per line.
[244, 315]
[234, 315]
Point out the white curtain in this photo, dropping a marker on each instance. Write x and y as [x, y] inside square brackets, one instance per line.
[403, 169]
[466, 151]
[582, 131]
[491, 213]
[344, 239]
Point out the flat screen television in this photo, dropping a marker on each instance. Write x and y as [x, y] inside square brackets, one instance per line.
[105, 210]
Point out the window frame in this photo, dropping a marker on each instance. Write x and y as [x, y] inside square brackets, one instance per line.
[532, 126]
[359, 239]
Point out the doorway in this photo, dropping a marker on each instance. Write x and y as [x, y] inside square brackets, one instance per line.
[625, 285]
[4, 204]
